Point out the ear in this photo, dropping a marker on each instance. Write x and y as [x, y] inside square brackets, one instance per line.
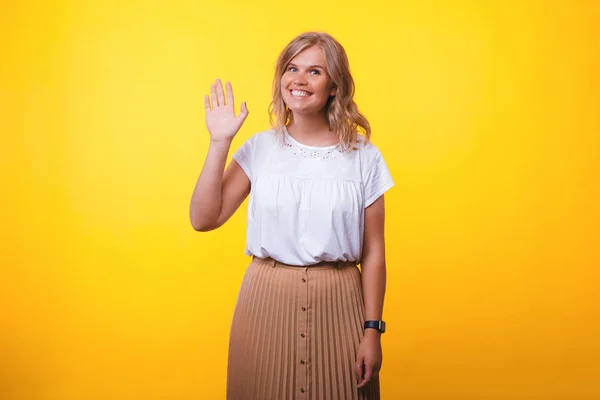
[333, 91]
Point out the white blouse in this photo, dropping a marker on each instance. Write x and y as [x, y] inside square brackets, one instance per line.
[307, 203]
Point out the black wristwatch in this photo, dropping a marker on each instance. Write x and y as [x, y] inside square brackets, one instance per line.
[379, 325]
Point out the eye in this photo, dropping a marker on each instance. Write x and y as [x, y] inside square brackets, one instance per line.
[292, 69]
[315, 72]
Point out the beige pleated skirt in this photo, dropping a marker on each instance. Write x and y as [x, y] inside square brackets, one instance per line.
[295, 334]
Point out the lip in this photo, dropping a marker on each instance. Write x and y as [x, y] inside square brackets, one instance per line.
[300, 90]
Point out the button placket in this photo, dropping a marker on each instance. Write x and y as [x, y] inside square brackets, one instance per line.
[302, 343]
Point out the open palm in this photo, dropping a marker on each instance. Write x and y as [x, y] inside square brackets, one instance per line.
[221, 121]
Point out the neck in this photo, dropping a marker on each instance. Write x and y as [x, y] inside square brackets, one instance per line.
[312, 130]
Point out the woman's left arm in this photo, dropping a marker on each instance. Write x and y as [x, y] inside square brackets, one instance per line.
[369, 357]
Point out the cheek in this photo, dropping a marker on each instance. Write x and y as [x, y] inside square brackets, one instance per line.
[284, 84]
[285, 95]
[323, 88]
[284, 81]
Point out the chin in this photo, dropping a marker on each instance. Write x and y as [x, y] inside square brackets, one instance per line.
[304, 109]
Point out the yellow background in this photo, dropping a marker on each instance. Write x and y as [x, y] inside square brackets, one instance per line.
[487, 113]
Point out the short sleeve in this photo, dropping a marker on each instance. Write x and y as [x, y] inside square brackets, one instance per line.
[244, 156]
[378, 179]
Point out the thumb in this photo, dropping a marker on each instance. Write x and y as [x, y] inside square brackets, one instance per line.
[243, 111]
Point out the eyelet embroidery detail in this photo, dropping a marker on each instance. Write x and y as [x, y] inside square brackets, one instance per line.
[313, 154]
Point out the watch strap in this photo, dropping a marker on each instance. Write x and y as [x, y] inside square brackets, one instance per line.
[379, 325]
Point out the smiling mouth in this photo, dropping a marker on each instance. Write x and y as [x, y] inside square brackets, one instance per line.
[299, 93]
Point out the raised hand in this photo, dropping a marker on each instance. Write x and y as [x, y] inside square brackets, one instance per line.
[221, 120]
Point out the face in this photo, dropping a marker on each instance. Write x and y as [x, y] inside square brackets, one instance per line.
[305, 84]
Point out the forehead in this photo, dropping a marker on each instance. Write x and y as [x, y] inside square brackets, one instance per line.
[312, 55]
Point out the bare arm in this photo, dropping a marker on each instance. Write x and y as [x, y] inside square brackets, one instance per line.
[373, 261]
[217, 195]
[373, 283]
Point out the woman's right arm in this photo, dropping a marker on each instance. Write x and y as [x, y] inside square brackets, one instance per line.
[218, 194]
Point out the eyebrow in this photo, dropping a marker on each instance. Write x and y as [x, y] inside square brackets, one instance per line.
[312, 66]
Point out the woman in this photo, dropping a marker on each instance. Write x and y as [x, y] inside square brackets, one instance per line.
[307, 322]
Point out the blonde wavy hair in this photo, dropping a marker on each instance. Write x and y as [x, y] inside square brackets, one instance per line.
[342, 112]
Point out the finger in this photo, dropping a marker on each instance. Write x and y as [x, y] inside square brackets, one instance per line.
[358, 371]
[229, 93]
[220, 93]
[243, 112]
[206, 103]
[213, 95]
[368, 375]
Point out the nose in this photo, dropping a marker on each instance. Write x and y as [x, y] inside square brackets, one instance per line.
[299, 80]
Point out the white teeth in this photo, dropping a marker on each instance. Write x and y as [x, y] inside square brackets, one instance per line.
[300, 93]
